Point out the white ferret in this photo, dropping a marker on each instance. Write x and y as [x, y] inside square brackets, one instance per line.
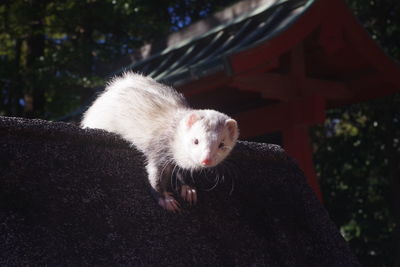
[157, 120]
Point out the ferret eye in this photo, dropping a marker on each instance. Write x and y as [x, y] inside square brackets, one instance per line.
[221, 145]
[196, 141]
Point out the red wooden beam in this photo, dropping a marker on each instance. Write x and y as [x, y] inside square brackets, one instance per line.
[297, 144]
[252, 57]
[362, 42]
[297, 62]
[292, 119]
[271, 85]
[285, 87]
[303, 111]
[205, 84]
[331, 36]
[327, 89]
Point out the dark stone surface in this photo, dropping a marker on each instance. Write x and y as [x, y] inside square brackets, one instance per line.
[73, 197]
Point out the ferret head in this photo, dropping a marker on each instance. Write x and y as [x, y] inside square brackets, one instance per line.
[206, 137]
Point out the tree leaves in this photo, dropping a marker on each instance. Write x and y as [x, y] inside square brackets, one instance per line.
[356, 159]
[358, 152]
[54, 53]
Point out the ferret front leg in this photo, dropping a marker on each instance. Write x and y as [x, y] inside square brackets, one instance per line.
[158, 178]
[188, 193]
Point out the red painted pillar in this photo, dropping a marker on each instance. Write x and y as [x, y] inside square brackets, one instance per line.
[297, 144]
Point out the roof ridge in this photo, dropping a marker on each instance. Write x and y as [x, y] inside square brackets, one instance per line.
[181, 37]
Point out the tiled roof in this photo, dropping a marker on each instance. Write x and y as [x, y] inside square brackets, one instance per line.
[206, 53]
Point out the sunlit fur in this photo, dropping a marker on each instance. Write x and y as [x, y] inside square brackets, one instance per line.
[135, 107]
[154, 118]
[210, 129]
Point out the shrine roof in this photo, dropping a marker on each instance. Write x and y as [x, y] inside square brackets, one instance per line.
[255, 36]
[203, 48]
[258, 53]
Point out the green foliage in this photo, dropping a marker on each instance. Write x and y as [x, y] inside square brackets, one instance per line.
[357, 155]
[381, 19]
[53, 53]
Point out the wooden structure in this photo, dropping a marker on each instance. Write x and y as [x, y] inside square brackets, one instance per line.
[275, 66]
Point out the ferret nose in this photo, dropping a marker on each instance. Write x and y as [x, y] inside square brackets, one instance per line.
[206, 162]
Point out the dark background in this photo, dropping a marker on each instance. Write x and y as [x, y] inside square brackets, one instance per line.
[53, 53]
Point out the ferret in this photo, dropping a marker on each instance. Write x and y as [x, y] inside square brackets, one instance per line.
[157, 120]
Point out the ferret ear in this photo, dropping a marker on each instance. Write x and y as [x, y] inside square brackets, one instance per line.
[233, 130]
[192, 118]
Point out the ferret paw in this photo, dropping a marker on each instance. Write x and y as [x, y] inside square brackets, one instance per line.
[189, 194]
[168, 202]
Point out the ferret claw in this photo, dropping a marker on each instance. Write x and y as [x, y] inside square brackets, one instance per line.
[189, 194]
[169, 203]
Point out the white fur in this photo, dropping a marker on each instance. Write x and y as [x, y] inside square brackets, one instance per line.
[135, 107]
[156, 119]
[209, 136]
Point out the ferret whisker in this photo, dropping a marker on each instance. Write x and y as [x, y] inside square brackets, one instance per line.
[220, 172]
[223, 169]
[229, 166]
[216, 180]
[158, 121]
[212, 172]
[232, 186]
[216, 176]
[176, 180]
[172, 177]
[191, 174]
[166, 164]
